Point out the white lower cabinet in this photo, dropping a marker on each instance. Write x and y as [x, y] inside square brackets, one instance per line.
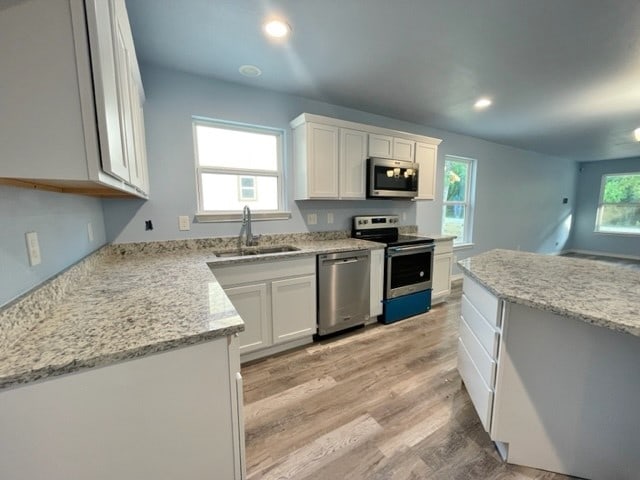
[293, 308]
[442, 262]
[377, 284]
[174, 414]
[276, 300]
[252, 304]
[477, 347]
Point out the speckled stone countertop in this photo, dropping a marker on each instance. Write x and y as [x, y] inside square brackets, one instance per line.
[129, 300]
[591, 291]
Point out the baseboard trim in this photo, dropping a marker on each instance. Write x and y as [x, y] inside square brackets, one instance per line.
[274, 349]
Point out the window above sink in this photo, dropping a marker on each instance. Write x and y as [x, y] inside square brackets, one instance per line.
[238, 165]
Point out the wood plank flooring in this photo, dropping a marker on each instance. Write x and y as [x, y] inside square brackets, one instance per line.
[384, 402]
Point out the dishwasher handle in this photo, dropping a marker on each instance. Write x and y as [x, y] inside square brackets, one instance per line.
[343, 258]
[341, 261]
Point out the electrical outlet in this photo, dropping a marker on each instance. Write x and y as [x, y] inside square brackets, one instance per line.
[183, 222]
[33, 249]
[404, 216]
[330, 217]
[312, 218]
[90, 232]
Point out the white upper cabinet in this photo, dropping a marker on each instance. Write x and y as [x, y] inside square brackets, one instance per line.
[75, 98]
[329, 162]
[353, 158]
[380, 146]
[387, 146]
[426, 157]
[330, 157]
[403, 149]
[316, 168]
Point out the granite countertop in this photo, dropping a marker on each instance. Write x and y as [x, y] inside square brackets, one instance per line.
[591, 291]
[129, 300]
[438, 237]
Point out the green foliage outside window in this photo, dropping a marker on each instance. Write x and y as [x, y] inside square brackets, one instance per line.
[622, 189]
[619, 210]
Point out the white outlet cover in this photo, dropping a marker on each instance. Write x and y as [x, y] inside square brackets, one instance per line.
[90, 231]
[330, 217]
[312, 218]
[33, 248]
[183, 222]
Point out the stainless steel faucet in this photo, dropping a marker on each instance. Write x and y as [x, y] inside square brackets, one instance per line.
[246, 225]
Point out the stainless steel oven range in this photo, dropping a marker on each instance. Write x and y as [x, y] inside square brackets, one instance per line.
[408, 266]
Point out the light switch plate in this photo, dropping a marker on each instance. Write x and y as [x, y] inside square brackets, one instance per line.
[183, 222]
[90, 232]
[33, 248]
[312, 218]
[330, 217]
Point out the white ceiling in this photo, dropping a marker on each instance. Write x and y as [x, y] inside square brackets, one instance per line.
[564, 74]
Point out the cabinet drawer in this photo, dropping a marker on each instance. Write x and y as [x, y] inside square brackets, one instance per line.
[483, 362]
[485, 302]
[484, 332]
[481, 395]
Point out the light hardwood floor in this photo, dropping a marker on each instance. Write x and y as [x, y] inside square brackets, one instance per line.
[384, 402]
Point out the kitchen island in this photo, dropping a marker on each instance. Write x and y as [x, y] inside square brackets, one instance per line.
[549, 350]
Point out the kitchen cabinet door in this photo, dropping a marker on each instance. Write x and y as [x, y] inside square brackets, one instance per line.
[403, 149]
[426, 156]
[80, 112]
[293, 308]
[322, 150]
[380, 145]
[377, 283]
[441, 277]
[251, 302]
[353, 158]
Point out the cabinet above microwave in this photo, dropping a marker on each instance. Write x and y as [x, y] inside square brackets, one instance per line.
[330, 156]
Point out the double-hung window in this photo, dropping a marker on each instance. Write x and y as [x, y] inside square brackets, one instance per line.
[238, 165]
[457, 202]
[619, 205]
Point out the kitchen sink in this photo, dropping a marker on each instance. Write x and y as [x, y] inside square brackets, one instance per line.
[243, 252]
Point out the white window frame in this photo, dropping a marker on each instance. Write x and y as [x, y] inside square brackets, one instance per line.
[203, 215]
[467, 240]
[601, 204]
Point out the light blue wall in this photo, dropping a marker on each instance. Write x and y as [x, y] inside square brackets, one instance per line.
[61, 223]
[519, 193]
[588, 195]
[172, 99]
[518, 201]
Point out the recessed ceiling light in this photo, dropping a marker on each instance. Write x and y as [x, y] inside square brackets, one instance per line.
[277, 28]
[250, 71]
[482, 103]
[636, 133]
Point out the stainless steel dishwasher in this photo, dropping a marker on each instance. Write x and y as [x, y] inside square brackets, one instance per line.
[343, 290]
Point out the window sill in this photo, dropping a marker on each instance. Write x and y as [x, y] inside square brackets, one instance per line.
[237, 217]
[619, 234]
[464, 246]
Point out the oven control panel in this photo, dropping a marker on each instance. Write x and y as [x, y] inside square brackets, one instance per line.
[371, 221]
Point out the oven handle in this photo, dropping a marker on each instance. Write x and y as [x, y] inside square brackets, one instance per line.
[413, 248]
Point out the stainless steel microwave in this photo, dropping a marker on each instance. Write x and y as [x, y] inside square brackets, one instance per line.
[387, 178]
